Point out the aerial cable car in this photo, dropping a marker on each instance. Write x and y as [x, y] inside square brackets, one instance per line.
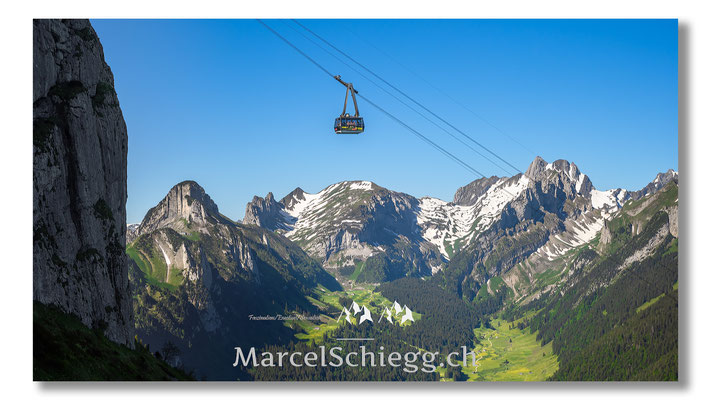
[346, 123]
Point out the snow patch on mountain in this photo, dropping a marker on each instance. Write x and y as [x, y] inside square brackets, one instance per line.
[584, 232]
[610, 199]
[299, 206]
[602, 199]
[500, 194]
[308, 213]
[444, 224]
[577, 233]
[361, 185]
[579, 183]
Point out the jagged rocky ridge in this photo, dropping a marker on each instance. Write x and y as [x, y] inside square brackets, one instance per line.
[553, 207]
[79, 180]
[539, 233]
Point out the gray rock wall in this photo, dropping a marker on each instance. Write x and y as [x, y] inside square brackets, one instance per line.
[79, 180]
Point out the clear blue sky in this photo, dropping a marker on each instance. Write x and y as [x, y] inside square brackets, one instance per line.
[229, 105]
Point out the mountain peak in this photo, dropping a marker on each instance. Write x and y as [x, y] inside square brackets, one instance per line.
[537, 167]
[264, 212]
[185, 203]
[190, 191]
[292, 198]
[661, 180]
[188, 182]
[570, 173]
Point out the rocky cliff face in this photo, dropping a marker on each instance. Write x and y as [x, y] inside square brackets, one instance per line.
[79, 179]
[265, 212]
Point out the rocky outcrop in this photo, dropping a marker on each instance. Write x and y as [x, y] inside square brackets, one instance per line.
[553, 190]
[186, 204]
[79, 180]
[605, 235]
[536, 168]
[673, 213]
[265, 212]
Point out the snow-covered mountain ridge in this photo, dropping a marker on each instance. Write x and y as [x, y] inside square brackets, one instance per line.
[349, 222]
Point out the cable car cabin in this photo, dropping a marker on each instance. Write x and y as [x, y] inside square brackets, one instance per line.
[348, 124]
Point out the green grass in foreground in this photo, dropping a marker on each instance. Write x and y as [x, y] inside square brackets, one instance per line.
[64, 349]
[506, 354]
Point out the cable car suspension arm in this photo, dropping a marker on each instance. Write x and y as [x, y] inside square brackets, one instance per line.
[353, 92]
